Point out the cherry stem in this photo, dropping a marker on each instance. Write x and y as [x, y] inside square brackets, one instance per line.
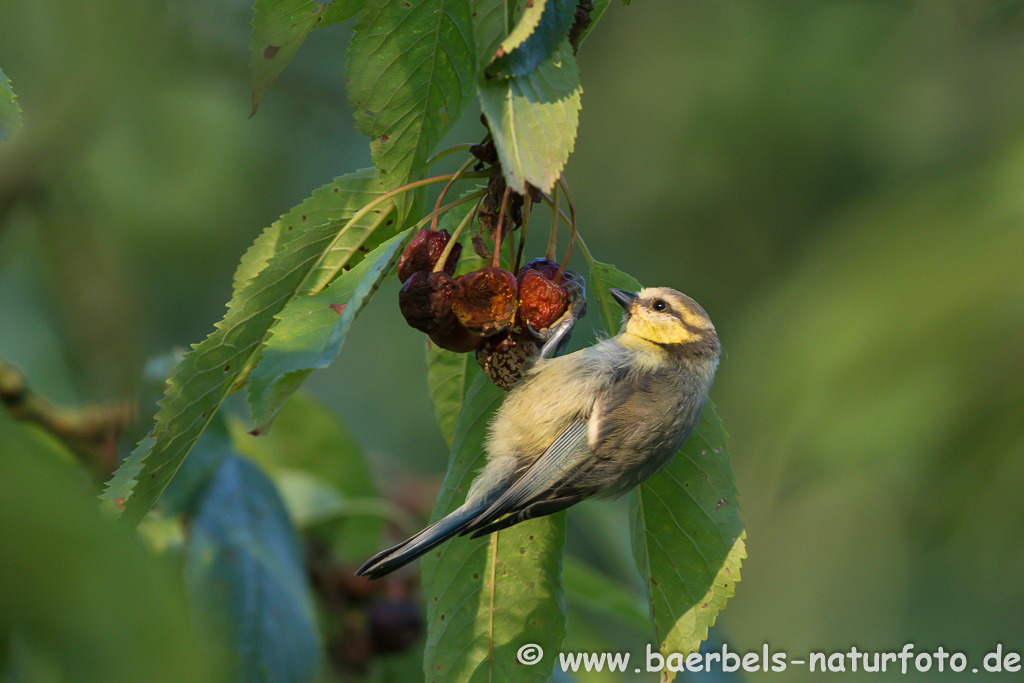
[512, 246]
[440, 197]
[572, 214]
[367, 208]
[553, 236]
[527, 206]
[461, 147]
[447, 207]
[501, 220]
[579, 238]
[466, 220]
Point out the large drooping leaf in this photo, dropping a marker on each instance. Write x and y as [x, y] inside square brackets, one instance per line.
[306, 437]
[10, 113]
[245, 576]
[488, 597]
[279, 28]
[312, 242]
[311, 330]
[410, 76]
[533, 119]
[541, 28]
[688, 540]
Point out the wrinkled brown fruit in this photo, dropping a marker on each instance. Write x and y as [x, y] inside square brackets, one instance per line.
[487, 300]
[452, 336]
[426, 300]
[424, 250]
[541, 301]
[502, 357]
[545, 267]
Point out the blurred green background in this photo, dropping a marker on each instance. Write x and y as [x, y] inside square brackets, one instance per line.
[839, 183]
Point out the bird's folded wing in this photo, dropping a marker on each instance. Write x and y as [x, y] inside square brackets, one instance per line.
[561, 458]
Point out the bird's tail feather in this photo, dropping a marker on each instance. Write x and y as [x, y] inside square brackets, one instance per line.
[408, 550]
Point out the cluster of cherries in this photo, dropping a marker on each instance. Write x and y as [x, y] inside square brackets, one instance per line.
[489, 311]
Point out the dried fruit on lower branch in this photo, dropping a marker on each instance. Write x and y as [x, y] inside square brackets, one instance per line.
[424, 250]
[487, 300]
[544, 266]
[541, 301]
[502, 357]
[426, 300]
[452, 336]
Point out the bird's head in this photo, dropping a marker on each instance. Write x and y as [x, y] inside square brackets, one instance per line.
[669, 319]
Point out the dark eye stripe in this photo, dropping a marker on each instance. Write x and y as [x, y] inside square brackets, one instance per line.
[693, 329]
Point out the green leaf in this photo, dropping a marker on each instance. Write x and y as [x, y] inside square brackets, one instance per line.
[533, 119]
[599, 7]
[279, 27]
[10, 112]
[589, 589]
[410, 73]
[311, 330]
[184, 493]
[688, 540]
[333, 203]
[488, 597]
[308, 498]
[602, 278]
[245, 571]
[84, 596]
[304, 252]
[307, 437]
[448, 376]
[541, 28]
[492, 21]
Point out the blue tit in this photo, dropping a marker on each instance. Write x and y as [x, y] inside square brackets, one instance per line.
[594, 423]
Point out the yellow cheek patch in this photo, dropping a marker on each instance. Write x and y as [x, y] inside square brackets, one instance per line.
[659, 331]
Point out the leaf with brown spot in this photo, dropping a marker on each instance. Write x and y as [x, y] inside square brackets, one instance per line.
[687, 546]
[279, 27]
[279, 267]
[407, 63]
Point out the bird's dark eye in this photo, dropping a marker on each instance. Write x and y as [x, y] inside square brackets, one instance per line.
[659, 305]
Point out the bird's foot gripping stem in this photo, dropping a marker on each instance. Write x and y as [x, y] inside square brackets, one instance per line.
[556, 337]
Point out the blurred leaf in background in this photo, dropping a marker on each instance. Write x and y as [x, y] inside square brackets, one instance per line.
[81, 599]
[10, 114]
[246, 578]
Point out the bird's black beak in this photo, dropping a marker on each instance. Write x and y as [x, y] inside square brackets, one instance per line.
[625, 299]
